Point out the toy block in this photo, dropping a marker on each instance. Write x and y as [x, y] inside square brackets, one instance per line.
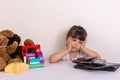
[33, 56]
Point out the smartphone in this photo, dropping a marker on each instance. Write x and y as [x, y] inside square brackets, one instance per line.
[100, 62]
[90, 58]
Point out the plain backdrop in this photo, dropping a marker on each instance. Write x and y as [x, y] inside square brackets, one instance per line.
[46, 22]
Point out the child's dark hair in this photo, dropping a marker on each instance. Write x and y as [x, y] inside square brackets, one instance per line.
[77, 32]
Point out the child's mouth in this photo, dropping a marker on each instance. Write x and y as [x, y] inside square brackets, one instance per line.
[74, 49]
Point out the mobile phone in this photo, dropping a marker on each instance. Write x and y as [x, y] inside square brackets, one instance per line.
[89, 58]
[99, 62]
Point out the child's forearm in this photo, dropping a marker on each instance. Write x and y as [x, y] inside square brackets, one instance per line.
[90, 52]
[57, 56]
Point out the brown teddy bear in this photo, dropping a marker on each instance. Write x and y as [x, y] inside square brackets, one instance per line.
[11, 52]
[17, 54]
[12, 38]
[5, 50]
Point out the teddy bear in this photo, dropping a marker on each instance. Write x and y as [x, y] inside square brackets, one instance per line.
[11, 44]
[5, 50]
[17, 54]
[11, 39]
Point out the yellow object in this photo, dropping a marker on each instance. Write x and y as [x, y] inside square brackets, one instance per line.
[16, 67]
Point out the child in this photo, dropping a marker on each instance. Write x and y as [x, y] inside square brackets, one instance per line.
[75, 42]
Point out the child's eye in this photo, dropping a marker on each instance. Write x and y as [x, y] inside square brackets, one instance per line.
[80, 42]
[73, 39]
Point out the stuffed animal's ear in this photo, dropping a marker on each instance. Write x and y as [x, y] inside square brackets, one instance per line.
[3, 40]
[7, 33]
[14, 38]
[12, 48]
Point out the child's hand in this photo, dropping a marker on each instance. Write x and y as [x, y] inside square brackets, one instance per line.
[70, 46]
[83, 45]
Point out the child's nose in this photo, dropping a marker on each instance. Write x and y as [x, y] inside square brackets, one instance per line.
[75, 44]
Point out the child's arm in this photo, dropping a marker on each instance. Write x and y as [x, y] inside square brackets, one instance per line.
[58, 56]
[89, 52]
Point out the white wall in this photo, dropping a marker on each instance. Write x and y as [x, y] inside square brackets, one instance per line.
[47, 21]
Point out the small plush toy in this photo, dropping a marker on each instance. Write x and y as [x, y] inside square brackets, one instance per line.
[28, 42]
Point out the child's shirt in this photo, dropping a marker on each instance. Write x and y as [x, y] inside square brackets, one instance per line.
[79, 55]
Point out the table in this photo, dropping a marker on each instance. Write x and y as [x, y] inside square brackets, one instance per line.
[63, 70]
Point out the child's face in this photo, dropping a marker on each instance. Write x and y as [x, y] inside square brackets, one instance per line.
[74, 44]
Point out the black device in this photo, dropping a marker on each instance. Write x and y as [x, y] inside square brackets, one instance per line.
[99, 62]
[107, 67]
[90, 58]
[92, 63]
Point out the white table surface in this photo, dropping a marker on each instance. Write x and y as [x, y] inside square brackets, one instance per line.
[62, 70]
